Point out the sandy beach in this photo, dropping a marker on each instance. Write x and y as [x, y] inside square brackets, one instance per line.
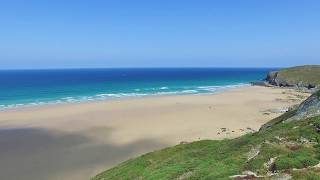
[77, 141]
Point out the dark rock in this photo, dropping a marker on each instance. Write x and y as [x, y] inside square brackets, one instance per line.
[309, 108]
[183, 142]
[273, 168]
[318, 128]
[223, 129]
[311, 86]
[261, 83]
[272, 78]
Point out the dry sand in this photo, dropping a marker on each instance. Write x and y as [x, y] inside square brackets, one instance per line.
[77, 141]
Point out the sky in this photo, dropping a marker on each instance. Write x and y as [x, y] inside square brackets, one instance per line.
[37, 34]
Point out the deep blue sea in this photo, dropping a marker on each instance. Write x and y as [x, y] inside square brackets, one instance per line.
[36, 87]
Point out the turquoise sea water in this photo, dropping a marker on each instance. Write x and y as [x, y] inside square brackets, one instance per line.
[36, 87]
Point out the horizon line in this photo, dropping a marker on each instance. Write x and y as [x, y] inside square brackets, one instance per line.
[161, 67]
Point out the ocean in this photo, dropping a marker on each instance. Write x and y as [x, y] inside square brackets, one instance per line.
[36, 87]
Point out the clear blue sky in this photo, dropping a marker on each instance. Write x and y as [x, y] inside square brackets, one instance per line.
[158, 33]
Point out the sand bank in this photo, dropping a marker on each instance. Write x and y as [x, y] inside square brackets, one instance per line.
[76, 141]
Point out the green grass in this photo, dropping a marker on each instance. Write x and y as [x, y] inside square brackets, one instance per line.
[212, 159]
[311, 174]
[279, 119]
[305, 74]
[304, 157]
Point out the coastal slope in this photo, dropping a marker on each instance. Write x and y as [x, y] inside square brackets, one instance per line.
[283, 150]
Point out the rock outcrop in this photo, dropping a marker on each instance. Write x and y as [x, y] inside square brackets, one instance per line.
[261, 83]
[302, 77]
[309, 108]
[272, 78]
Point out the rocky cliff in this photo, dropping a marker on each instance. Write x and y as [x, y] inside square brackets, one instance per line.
[300, 77]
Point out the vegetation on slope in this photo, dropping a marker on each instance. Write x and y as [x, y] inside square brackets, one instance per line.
[283, 148]
[289, 149]
[307, 76]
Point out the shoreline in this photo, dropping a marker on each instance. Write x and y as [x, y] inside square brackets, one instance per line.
[77, 141]
[53, 103]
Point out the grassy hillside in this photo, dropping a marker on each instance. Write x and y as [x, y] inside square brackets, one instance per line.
[305, 74]
[280, 149]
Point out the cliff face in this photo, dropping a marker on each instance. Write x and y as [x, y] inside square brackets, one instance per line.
[300, 77]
